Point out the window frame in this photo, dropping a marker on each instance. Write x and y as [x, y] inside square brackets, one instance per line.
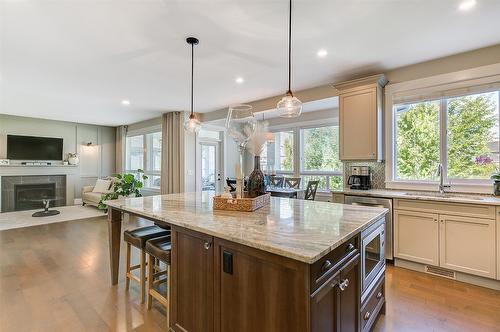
[146, 158]
[471, 81]
[298, 152]
[443, 139]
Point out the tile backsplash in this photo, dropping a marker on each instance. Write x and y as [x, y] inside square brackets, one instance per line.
[378, 172]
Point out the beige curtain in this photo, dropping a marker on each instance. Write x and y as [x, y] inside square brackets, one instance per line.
[121, 136]
[172, 161]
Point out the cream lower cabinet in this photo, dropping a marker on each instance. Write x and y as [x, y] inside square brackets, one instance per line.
[416, 236]
[468, 245]
[498, 243]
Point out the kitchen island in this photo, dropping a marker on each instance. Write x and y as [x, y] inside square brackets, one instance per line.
[291, 266]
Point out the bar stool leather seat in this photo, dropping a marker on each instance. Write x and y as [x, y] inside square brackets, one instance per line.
[160, 248]
[138, 237]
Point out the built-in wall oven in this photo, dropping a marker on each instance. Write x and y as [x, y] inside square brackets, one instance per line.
[378, 202]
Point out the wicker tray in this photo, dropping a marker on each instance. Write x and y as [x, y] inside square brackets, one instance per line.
[245, 204]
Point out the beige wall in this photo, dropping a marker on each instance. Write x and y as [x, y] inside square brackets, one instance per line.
[154, 122]
[476, 58]
[466, 60]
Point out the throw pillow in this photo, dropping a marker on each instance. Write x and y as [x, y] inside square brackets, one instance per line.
[101, 186]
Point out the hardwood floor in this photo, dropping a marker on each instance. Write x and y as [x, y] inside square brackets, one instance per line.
[56, 278]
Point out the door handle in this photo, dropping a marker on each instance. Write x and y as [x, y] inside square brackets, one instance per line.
[207, 245]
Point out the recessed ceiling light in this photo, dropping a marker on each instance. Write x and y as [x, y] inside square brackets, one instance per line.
[322, 53]
[125, 102]
[467, 5]
[239, 80]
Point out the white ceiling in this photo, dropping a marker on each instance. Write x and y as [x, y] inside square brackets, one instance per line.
[76, 60]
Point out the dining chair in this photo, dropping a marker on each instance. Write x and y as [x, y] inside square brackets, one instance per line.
[293, 183]
[276, 181]
[232, 184]
[312, 187]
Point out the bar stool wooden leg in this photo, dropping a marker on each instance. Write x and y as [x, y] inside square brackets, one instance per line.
[143, 276]
[127, 269]
[168, 294]
[151, 271]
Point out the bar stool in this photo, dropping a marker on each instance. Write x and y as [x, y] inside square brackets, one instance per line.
[137, 238]
[158, 249]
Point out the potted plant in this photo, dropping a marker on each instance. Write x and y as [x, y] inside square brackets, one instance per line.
[496, 184]
[125, 185]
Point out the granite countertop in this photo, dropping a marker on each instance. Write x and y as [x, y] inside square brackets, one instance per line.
[483, 199]
[298, 229]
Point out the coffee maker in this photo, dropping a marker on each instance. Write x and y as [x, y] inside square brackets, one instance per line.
[361, 178]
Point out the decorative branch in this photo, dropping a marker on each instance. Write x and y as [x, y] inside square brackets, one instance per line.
[258, 138]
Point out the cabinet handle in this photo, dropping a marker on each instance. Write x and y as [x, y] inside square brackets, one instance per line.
[379, 295]
[326, 265]
[350, 247]
[367, 315]
[344, 284]
[207, 245]
[435, 220]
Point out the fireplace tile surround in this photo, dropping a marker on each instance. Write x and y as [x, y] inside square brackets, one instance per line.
[8, 185]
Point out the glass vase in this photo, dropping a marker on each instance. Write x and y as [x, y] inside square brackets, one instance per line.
[256, 185]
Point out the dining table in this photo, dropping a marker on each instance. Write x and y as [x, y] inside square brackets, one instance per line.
[286, 192]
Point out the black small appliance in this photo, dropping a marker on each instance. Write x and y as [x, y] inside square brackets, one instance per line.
[360, 178]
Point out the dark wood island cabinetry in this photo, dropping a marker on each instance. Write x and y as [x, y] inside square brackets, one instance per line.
[231, 287]
[294, 265]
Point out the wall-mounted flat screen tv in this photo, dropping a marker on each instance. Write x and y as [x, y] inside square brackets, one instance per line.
[34, 148]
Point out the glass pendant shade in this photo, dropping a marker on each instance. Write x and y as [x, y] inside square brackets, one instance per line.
[192, 125]
[289, 106]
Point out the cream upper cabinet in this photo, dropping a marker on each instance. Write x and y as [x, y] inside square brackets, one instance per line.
[468, 245]
[360, 118]
[416, 236]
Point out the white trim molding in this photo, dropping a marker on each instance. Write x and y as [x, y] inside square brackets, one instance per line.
[473, 80]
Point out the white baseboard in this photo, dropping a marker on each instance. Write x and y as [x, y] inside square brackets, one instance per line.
[77, 201]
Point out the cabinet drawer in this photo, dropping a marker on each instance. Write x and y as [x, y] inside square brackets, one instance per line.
[457, 209]
[330, 263]
[372, 305]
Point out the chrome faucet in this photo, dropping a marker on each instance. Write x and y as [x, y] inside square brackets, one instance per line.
[440, 173]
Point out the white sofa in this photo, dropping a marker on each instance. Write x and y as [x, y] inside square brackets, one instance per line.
[89, 197]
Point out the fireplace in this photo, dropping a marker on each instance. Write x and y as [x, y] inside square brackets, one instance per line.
[30, 196]
[26, 191]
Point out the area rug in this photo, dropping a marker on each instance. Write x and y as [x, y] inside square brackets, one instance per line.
[18, 219]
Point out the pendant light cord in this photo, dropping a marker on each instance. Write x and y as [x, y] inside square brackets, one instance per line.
[290, 50]
[192, 78]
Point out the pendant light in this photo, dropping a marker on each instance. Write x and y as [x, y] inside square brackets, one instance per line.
[289, 106]
[192, 125]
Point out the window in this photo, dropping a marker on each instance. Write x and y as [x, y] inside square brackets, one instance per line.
[316, 157]
[462, 133]
[417, 140]
[320, 157]
[279, 154]
[135, 152]
[144, 152]
[472, 126]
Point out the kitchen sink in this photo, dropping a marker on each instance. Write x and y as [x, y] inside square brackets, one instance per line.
[446, 195]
